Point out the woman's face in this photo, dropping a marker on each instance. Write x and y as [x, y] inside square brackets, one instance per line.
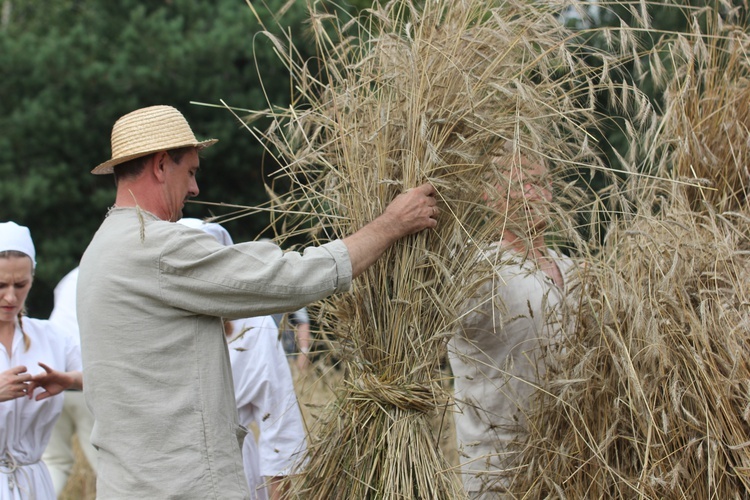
[16, 275]
[524, 195]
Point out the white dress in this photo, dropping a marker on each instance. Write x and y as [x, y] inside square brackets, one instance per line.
[265, 395]
[26, 424]
[495, 358]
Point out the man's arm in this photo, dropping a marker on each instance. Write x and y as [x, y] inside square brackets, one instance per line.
[409, 213]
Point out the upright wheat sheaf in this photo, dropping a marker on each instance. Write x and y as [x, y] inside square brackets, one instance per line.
[649, 396]
[407, 94]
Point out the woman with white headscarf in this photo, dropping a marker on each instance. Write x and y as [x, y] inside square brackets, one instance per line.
[32, 356]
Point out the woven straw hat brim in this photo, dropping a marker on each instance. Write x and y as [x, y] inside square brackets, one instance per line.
[108, 166]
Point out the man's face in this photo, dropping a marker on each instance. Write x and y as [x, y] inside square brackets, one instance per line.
[181, 182]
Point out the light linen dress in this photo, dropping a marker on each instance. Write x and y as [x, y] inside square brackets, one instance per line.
[265, 395]
[495, 361]
[151, 298]
[26, 424]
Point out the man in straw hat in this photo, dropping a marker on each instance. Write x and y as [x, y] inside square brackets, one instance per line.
[151, 298]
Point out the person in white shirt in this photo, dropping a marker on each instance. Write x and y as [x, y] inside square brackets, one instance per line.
[76, 418]
[264, 392]
[151, 296]
[496, 354]
[265, 396]
[33, 355]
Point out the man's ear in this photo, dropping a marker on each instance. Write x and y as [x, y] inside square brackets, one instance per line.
[158, 165]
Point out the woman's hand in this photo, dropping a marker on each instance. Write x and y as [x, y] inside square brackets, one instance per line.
[54, 382]
[14, 383]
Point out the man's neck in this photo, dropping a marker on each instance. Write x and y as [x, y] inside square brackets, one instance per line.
[129, 197]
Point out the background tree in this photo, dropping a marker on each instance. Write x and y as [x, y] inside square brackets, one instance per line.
[72, 67]
[650, 23]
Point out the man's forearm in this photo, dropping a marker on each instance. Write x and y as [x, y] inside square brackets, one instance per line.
[368, 244]
[408, 213]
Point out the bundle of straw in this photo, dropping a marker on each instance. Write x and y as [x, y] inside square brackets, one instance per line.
[425, 92]
[649, 396]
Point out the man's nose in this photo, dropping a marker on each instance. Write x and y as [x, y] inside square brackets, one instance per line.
[193, 190]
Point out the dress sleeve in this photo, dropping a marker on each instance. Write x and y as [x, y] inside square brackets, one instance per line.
[282, 433]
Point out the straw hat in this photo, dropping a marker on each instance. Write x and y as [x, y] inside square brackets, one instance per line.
[149, 130]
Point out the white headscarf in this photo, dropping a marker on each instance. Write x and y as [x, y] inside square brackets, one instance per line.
[18, 238]
[212, 228]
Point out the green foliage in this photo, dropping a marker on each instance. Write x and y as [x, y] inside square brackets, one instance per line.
[648, 25]
[665, 19]
[71, 68]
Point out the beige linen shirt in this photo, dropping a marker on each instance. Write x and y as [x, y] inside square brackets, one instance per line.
[495, 361]
[157, 377]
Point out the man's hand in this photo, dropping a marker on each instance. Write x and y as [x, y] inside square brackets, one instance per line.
[408, 213]
[411, 211]
[14, 383]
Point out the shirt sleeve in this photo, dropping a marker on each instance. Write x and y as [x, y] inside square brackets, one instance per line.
[63, 314]
[248, 279]
[72, 355]
[282, 435]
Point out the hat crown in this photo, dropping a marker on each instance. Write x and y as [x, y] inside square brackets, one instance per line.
[148, 130]
[156, 127]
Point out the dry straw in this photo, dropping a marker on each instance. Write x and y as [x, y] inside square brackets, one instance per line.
[417, 93]
[648, 396]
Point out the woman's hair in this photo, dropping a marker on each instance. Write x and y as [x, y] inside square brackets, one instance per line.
[5, 254]
[26, 338]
